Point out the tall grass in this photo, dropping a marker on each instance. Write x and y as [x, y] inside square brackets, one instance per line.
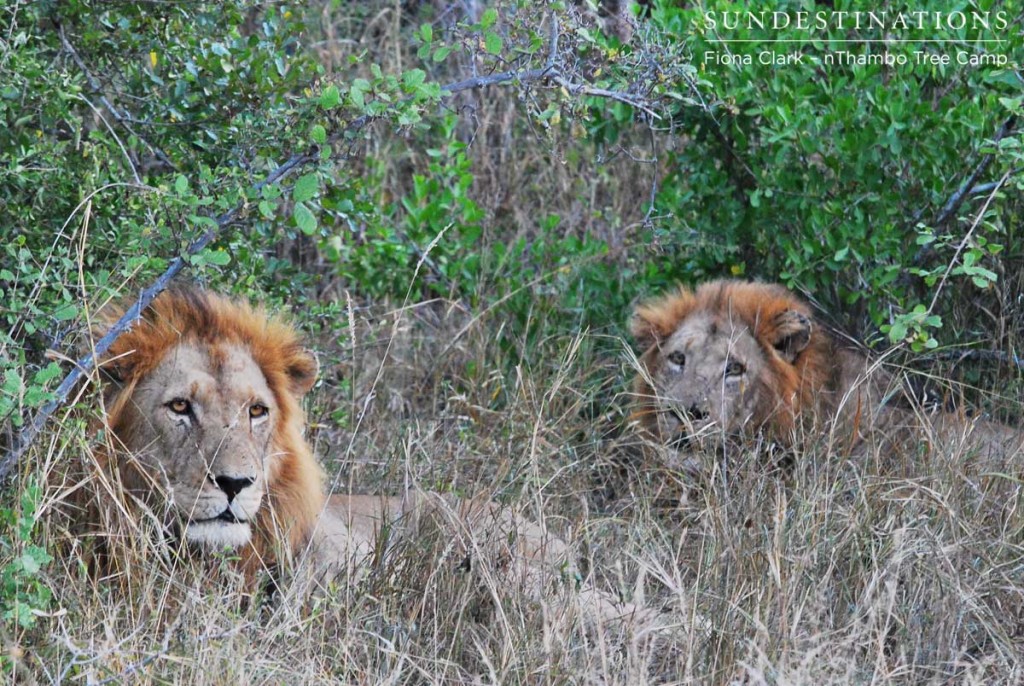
[843, 571]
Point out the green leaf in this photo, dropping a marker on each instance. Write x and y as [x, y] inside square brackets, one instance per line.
[200, 220]
[330, 98]
[304, 219]
[271, 191]
[306, 187]
[426, 33]
[36, 396]
[181, 184]
[319, 134]
[898, 331]
[441, 53]
[47, 374]
[12, 382]
[493, 43]
[357, 92]
[413, 78]
[30, 564]
[66, 312]
[219, 257]
[489, 17]
[1012, 104]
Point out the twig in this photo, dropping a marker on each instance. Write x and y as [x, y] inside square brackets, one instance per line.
[963, 243]
[577, 88]
[121, 118]
[983, 188]
[958, 356]
[654, 181]
[524, 76]
[117, 139]
[966, 188]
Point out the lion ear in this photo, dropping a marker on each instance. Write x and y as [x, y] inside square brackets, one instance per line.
[648, 326]
[790, 333]
[644, 331]
[302, 370]
[655, 320]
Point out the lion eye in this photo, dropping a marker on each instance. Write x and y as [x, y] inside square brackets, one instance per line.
[180, 406]
[735, 368]
[677, 358]
[257, 411]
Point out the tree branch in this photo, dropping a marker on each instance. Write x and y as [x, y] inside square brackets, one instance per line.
[957, 199]
[958, 356]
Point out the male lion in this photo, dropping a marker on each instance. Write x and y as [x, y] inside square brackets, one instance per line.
[734, 360]
[202, 398]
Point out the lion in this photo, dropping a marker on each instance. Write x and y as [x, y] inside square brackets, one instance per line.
[203, 400]
[734, 360]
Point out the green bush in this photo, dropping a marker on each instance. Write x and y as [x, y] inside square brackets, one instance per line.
[23, 588]
[824, 175]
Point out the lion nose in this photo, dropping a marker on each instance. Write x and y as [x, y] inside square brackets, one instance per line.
[233, 485]
[696, 413]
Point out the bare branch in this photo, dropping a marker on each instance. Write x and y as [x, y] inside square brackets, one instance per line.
[962, 355]
[966, 188]
[633, 101]
[983, 188]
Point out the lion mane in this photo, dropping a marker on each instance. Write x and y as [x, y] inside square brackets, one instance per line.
[188, 317]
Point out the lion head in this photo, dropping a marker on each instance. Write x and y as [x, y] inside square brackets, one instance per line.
[730, 358]
[203, 401]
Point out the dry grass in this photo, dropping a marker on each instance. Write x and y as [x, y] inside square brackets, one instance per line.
[881, 569]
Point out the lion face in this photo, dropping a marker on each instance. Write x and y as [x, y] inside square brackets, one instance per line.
[203, 397]
[725, 361]
[204, 430]
[707, 378]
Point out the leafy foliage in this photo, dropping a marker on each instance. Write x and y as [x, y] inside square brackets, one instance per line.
[23, 589]
[822, 172]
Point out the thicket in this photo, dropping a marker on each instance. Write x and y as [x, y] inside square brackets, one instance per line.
[513, 159]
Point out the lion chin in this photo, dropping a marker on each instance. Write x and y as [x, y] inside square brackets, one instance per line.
[217, 534]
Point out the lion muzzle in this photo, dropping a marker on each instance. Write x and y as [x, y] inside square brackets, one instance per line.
[235, 500]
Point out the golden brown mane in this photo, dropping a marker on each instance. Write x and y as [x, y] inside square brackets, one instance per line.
[295, 498]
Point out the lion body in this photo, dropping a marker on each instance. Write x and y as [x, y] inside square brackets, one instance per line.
[737, 359]
[203, 399]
